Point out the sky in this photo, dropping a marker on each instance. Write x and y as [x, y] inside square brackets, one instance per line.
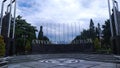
[62, 20]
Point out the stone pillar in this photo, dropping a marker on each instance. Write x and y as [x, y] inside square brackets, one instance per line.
[4, 32]
[8, 40]
[116, 45]
[115, 40]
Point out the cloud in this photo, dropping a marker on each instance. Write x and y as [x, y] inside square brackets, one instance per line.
[63, 18]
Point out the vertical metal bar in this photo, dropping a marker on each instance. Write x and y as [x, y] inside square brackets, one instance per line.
[79, 33]
[72, 31]
[7, 8]
[46, 34]
[117, 5]
[79, 28]
[63, 33]
[69, 33]
[14, 20]
[75, 32]
[111, 27]
[115, 17]
[2, 8]
[9, 18]
[60, 33]
[55, 32]
[52, 34]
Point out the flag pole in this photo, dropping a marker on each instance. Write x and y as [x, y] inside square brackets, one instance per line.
[9, 19]
[115, 17]
[111, 27]
[1, 18]
[14, 20]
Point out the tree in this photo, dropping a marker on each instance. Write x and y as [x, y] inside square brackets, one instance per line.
[2, 46]
[24, 28]
[98, 31]
[92, 30]
[89, 33]
[91, 27]
[106, 33]
[24, 31]
[85, 34]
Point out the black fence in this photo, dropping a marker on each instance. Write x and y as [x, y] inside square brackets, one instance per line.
[62, 48]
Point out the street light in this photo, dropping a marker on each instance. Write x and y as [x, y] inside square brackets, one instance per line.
[2, 8]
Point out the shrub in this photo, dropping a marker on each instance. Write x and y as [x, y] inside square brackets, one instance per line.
[97, 44]
[2, 46]
[28, 46]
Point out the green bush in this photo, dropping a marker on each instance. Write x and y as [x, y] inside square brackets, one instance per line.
[97, 44]
[28, 46]
[2, 46]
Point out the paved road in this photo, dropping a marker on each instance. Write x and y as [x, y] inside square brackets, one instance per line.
[63, 61]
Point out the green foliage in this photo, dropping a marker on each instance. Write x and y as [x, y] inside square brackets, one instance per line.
[24, 28]
[97, 45]
[92, 27]
[2, 46]
[106, 33]
[89, 33]
[92, 30]
[24, 31]
[85, 34]
[28, 46]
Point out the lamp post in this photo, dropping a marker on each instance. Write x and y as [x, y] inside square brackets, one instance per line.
[2, 8]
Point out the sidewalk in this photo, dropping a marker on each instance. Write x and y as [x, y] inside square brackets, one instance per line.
[63, 61]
